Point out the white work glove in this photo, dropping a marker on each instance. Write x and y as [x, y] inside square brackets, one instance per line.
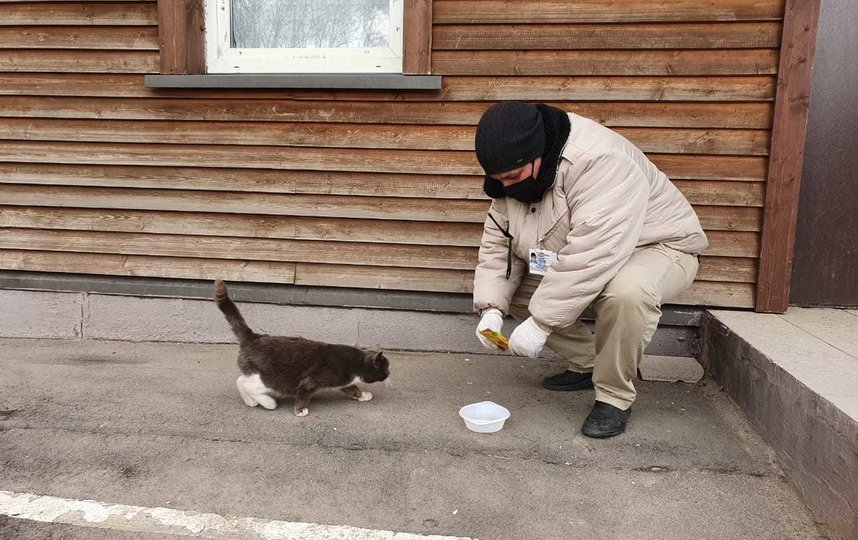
[493, 320]
[527, 339]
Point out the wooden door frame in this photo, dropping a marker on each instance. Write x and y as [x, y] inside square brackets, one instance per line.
[789, 130]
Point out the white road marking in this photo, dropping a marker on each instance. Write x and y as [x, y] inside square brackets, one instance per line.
[102, 515]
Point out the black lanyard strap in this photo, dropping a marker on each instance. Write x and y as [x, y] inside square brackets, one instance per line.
[508, 245]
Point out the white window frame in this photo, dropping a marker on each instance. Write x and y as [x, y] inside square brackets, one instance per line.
[221, 57]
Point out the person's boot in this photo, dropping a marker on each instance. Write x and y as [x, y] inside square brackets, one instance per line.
[605, 420]
[568, 381]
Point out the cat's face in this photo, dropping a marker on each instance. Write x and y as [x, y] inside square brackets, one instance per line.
[378, 368]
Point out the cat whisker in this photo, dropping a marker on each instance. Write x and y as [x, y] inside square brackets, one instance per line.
[388, 383]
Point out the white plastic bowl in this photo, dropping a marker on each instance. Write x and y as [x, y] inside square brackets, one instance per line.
[484, 417]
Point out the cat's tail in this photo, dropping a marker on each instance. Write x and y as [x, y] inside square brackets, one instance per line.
[230, 311]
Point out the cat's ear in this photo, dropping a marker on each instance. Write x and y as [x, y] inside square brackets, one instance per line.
[374, 356]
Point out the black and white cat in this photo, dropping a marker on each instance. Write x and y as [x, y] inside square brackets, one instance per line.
[278, 366]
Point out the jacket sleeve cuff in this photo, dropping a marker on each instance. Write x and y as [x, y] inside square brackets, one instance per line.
[543, 327]
[482, 311]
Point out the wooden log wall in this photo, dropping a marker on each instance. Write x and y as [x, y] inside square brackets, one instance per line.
[100, 175]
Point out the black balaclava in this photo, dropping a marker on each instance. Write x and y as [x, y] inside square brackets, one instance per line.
[512, 134]
[526, 191]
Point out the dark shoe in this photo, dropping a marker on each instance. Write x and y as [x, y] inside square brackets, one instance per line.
[605, 420]
[568, 381]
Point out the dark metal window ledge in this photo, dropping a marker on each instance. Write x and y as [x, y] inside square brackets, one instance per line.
[351, 81]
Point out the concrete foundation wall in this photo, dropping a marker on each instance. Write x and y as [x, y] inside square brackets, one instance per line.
[54, 315]
[815, 440]
[39, 314]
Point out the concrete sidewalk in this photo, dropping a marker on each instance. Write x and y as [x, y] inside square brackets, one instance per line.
[162, 425]
[795, 377]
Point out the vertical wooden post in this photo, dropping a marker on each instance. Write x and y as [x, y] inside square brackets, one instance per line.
[789, 129]
[417, 37]
[181, 33]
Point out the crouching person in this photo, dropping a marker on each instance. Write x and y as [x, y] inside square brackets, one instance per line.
[579, 217]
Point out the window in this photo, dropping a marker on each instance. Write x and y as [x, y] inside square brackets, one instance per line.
[304, 36]
[369, 44]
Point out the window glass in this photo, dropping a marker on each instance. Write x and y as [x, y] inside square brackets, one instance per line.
[304, 36]
[310, 24]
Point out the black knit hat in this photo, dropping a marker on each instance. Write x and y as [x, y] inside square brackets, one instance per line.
[509, 135]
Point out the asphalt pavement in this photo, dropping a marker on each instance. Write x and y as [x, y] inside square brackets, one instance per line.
[159, 425]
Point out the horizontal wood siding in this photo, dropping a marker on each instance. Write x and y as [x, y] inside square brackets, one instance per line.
[369, 189]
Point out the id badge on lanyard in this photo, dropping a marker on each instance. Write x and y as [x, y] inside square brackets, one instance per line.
[540, 260]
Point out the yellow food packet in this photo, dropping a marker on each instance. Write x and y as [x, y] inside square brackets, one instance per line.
[495, 337]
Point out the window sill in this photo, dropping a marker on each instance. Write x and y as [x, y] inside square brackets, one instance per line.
[317, 81]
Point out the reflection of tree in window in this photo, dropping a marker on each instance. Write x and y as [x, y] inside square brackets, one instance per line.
[310, 24]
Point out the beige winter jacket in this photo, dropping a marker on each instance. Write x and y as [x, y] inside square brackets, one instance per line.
[607, 200]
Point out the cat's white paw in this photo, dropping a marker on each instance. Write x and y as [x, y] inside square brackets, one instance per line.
[266, 401]
[245, 396]
[365, 396]
[249, 401]
[302, 412]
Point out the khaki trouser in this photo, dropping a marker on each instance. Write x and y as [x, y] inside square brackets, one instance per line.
[627, 314]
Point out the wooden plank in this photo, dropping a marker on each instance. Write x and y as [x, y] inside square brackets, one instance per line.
[256, 249]
[309, 182]
[730, 218]
[722, 193]
[418, 279]
[713, 268]
[718, 294]
[145, 266]
[79, 61]
[375, 277]
[727, 240]
[605, 11]
[611, 114]
[676, 166]
[606, 62]
[680, 167]
[603, 89]
[80, 14]
[680, 115]
[738, 35]
[53, 37]
[438, 280]
[733, 244]
[64, 84]
[273, 204]
[181, 30]
[722, 243]
[417, 37]
[245, 157]
[788, 140]
[699, 192]
[415, 137]
[698, 141]
[252, 226]
[701, 293]
[549, 89]
[265, 181]
[730, 269]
